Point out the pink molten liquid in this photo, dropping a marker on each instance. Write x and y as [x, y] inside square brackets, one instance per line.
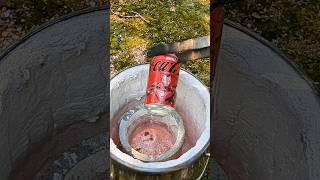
[192, 133]
[151, 139]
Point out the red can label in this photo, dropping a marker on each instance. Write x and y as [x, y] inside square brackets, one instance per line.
[163, 79]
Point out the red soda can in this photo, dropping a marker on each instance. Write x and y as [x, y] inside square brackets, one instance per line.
[163, 79]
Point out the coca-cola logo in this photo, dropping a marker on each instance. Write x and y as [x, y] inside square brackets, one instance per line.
[166, 66]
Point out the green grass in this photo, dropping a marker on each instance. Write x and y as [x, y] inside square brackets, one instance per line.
[201, 68]
[153, 22]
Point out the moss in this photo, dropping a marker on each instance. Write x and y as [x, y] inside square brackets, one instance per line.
[162, 22]
[200, 68]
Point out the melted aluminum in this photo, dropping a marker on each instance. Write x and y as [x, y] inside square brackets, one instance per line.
[131, 119]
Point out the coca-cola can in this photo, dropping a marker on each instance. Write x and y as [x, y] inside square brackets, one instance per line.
[163, 79]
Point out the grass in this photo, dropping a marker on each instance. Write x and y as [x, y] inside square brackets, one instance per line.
[140, 24]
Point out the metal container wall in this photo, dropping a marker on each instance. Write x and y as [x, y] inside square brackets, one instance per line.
[51, 78]
[267, 112]
[193, 99]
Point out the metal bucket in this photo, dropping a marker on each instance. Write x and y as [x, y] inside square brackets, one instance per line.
[193, 103]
